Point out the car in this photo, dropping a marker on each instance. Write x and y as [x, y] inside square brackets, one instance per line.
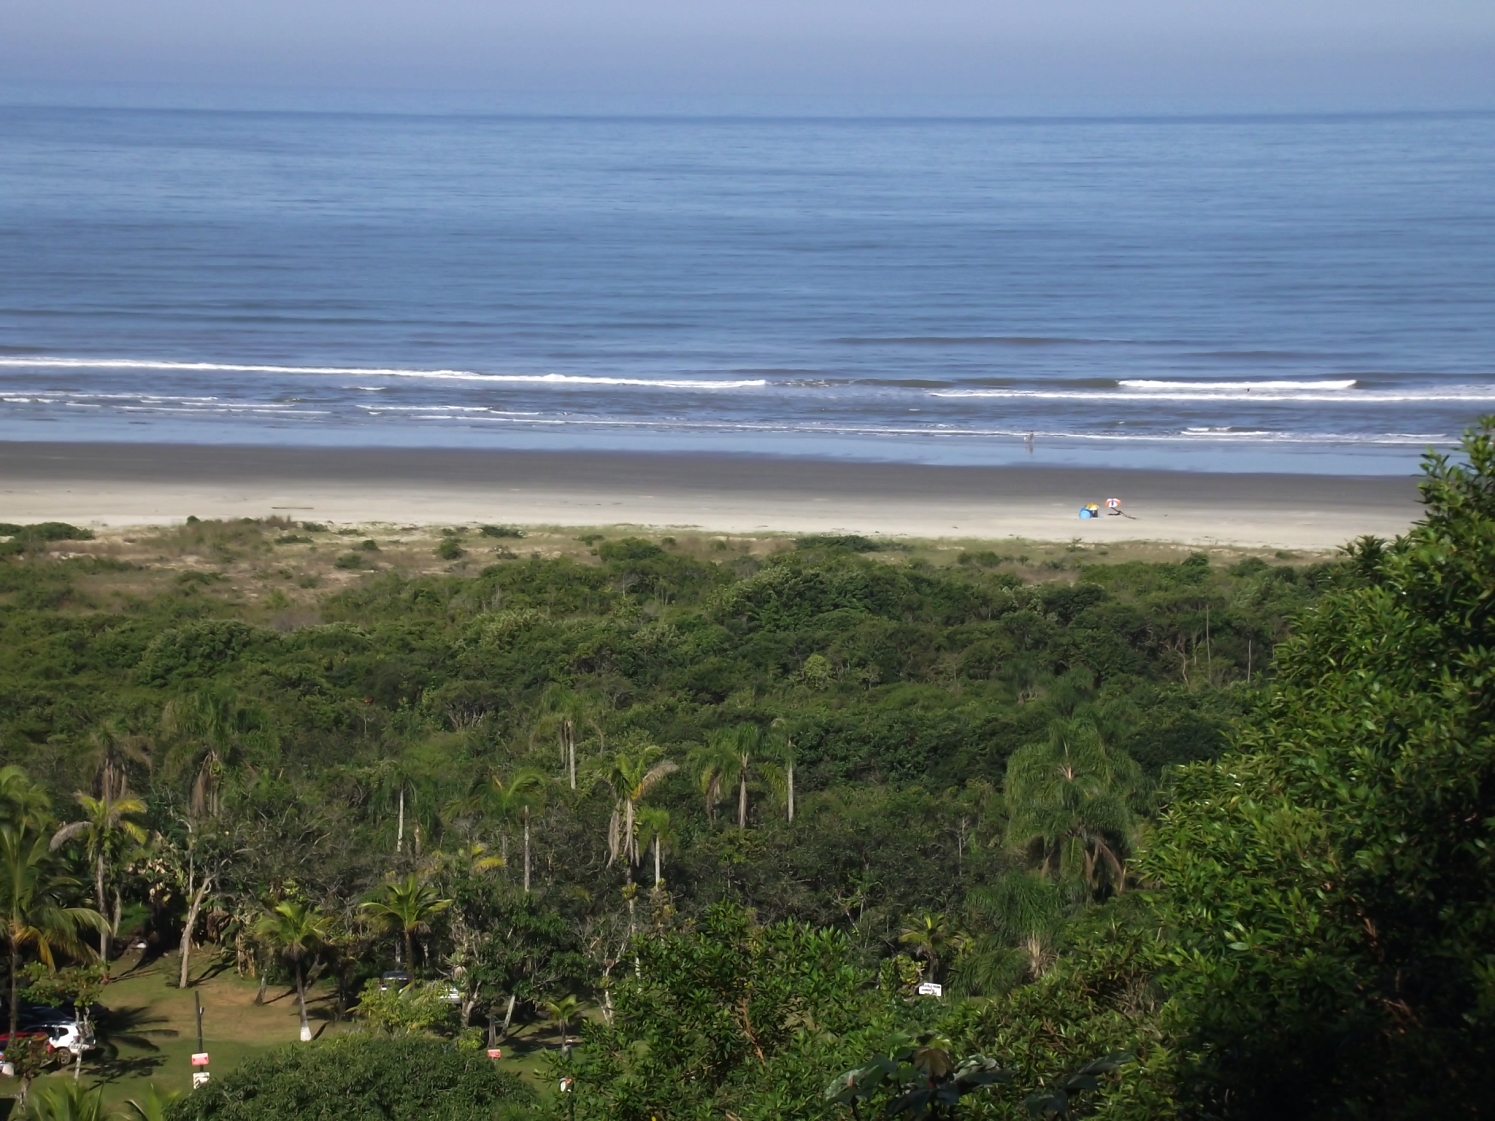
[63, 1030]
[394, 979]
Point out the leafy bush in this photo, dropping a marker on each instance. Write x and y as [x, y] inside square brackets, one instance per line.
[46, 531]
[450, 549]
[852, 541]
[500, 531]
[1330, 882]
[351, 561]
[359, 1077]
[200, 650]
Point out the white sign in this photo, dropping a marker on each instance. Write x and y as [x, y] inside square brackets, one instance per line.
[200, 1078]
[929, 988]
[200, 1059]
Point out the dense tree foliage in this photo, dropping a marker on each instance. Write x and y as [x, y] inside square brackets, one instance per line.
[1331, 883]
[719, 816]
[361, 1078]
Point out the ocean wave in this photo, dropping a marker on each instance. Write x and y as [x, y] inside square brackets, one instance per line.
[563, 380]
[1335, 392]
[1237, 386]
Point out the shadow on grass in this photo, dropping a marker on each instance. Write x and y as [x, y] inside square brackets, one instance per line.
[134, 1027]
[110, 1066]
[210, 972]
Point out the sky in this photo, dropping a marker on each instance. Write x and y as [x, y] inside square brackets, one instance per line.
[1019, 56]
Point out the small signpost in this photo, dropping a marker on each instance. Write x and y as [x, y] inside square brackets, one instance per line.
[200, 1074]
[495, 1052]
[929, 988]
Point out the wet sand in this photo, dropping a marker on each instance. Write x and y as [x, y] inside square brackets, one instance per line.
[132, 484]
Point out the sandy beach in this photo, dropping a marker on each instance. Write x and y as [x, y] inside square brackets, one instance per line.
[137, 484]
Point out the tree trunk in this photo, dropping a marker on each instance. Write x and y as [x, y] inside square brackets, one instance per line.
[526, 850]
[192, 909]
[742, 800]
[656, 862]
[509, 1015]
[570, 735]
[118, 910]
[301, 1001]
[15, 974]
[98, 883]
[410, 951]
[400, 832]
[259, 997]
[791, 792]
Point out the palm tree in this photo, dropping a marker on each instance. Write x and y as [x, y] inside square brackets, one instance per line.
[630, 775]
[726, 760]
[1067, 806]
[23, 803]
[654, 829]
[212, 727]
[565, 711]
[1022, 914]
[112, 748]
[779, 770]
[406, 907]
[512, 799]
[36, 907]
[152, 1106]
[69, 1101]
[561, 1014]
[295, 931]
[711, 764]
[108, 821]
[928, 938]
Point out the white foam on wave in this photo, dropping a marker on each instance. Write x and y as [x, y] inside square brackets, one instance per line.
[563, 380]
[1297, 392]
[1236, 386]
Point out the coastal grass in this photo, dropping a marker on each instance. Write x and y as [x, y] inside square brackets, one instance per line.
[277, 571]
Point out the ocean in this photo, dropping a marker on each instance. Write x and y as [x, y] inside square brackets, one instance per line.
[1243, 294]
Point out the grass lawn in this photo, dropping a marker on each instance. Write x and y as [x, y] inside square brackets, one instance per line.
[149, 1032]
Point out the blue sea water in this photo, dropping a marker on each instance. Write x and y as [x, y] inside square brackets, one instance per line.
[1298, 293]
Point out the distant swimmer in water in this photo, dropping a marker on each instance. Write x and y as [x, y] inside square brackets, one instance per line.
[1028, 442]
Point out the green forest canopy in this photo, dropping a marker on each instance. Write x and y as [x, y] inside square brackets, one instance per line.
[1097, 809]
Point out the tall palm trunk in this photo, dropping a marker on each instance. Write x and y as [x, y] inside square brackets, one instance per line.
[410, 950]
[656, 861]
[98, 883]
[400, 831]
[301, 1000]
[742, 799]
[526, 850]
[790, 776]
[15, 974]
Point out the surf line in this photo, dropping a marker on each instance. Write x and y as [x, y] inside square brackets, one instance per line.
[56, 363]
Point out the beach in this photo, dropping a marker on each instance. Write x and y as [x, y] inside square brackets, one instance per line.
[143, 484]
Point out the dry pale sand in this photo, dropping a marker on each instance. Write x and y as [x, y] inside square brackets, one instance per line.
[131, 484]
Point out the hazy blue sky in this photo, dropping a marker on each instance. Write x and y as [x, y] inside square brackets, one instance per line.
[1021, 55]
